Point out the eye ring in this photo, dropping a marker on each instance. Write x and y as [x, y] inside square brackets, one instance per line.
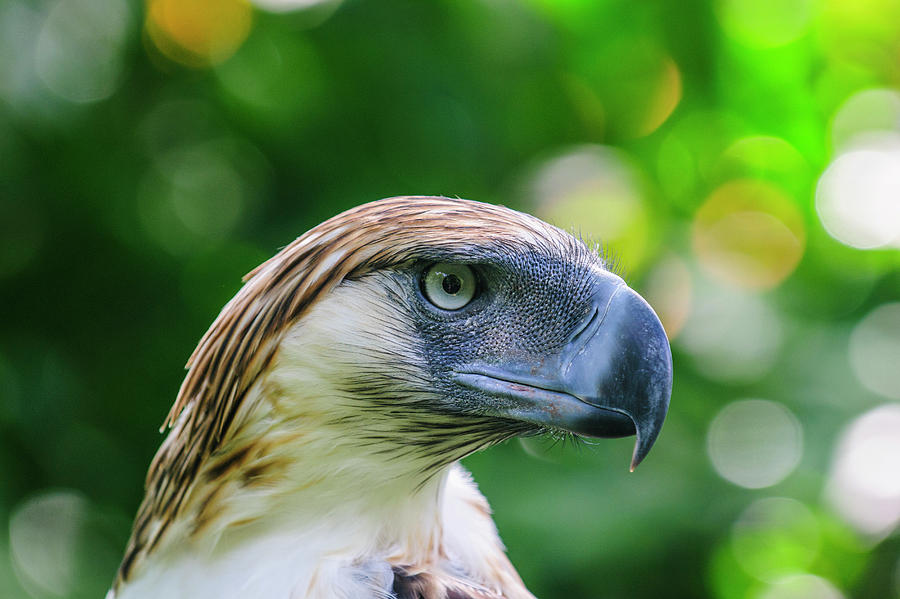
[449, 286]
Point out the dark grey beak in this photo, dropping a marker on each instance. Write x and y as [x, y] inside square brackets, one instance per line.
[613, 378]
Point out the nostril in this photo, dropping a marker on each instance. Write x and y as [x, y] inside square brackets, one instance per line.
[586, 325]
[587, 330]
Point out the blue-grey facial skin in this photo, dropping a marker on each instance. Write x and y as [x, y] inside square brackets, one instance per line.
[551, 341]
[526, 309]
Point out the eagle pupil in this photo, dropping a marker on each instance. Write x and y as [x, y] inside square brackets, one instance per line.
[451, 284]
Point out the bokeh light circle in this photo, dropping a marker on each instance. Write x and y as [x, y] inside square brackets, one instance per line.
[749, 233]
[771, 158]
[754, 443]
[866, 112]
[733, 336]
[857, 195]
[802, 586]
[775, 537]
[626, 86]
[663, 100]
[280, 6]
[864, 483]
[43, 535]
[861, 36]
[196, 194]
[597, 192]
[668, 288]
[79, 54]
[875, 350]
[765, 23]
[276, 79]
[198, 33]
[20, 26]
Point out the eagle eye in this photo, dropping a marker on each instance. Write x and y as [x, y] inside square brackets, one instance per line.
[449, 286]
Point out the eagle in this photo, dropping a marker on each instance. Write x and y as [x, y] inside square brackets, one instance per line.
[313, 448]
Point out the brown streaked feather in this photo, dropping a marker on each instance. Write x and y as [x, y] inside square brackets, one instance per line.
[244, 337]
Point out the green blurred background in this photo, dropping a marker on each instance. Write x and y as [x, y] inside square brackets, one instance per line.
[741, 158]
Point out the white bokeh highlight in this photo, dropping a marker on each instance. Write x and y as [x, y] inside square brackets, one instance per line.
[875, 350]
[802, 586]
[597, 192]
[280, 6]
[864, 482]
[79, 54]
[755, 443]
[43, 534]
[858, 197]
[19, 26]
[733, 336]
[598, 180]
[865, 112]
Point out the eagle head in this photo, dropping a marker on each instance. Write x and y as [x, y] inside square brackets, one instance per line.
[376, 350]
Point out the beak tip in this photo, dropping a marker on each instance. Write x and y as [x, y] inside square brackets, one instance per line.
[638, 456]
[647, 430]
[646, 370]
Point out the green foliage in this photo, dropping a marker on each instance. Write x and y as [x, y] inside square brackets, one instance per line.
[145, 166]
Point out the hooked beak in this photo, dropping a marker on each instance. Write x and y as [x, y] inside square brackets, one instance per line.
[613, 378]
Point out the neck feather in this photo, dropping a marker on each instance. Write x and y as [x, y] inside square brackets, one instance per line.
[315, 511]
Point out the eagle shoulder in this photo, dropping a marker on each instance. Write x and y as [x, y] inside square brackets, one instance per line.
[428, 586]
